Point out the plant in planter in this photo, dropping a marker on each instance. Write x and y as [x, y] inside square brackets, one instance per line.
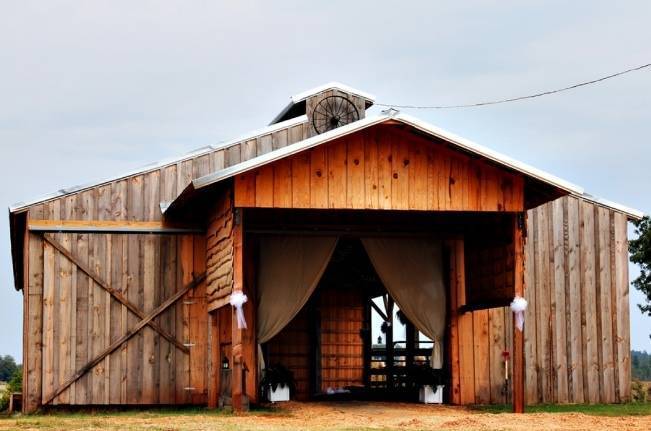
[277, 383]
[430, 381]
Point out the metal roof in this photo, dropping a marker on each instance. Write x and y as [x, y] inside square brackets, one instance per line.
[20, 206]
[297, 98]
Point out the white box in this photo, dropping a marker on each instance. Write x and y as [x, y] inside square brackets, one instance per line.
[428, 395]
[280, 394]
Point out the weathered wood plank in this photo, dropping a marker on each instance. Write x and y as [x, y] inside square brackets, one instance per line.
[607, 369]
[588, 305]
[355, 174]
[318, 178]
[530, 329]
[481, 356]
[559, 317]
[622, 309]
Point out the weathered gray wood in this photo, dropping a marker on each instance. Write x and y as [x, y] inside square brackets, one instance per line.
[559, 320]
[575, 362]
[113, 292]
[100, 357]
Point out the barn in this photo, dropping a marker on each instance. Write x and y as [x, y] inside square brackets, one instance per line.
[343, 246]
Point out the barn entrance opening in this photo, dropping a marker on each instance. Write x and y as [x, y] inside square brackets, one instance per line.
[351, 340]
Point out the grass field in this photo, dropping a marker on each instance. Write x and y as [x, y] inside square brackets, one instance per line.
[641, 409]
[346, 416]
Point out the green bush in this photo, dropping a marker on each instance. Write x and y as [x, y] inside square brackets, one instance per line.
[639, 392]
[15, 384]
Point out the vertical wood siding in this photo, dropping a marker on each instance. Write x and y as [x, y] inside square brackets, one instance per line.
[77, 319]
[577, 330]
[381, 168]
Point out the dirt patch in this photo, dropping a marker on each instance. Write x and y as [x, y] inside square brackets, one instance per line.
[333, 416]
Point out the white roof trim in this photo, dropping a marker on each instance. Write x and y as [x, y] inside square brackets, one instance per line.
[369, 121]
[321, 88]
[631, 212]
[331, 86]
[20, 206]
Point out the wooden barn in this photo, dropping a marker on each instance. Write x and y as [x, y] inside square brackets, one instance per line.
[365, 245]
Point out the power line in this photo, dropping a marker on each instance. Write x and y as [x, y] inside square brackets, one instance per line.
[515, 99]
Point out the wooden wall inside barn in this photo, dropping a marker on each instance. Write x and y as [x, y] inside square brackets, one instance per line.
[577, 328]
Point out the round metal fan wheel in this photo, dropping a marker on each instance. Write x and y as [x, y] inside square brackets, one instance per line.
[333, 112]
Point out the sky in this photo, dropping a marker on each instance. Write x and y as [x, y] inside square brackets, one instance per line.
[92, 89]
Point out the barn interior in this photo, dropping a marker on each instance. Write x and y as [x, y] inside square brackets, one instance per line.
[350, 340]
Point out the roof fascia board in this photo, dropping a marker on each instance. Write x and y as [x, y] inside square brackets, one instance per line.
[21, 206]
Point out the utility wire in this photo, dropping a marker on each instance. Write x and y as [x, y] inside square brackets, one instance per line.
[515, 99]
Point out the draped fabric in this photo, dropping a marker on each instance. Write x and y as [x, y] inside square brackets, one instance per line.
[411, 270]
[290, 269]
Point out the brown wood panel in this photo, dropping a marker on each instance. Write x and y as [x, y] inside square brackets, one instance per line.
[341, 315]
[406, 172]
[576, 256]
[292, 349]
[623, 344]
[559, 317]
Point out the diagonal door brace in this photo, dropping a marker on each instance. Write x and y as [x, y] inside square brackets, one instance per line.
[117, 343]
[113, 292]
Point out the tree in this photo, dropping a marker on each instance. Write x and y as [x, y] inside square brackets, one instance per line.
[8, 367]
[640, 249]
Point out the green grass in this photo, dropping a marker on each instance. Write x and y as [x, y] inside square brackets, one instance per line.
[630, 409]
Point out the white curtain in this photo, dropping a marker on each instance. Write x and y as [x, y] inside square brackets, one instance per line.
[290, 269]
[411, 270]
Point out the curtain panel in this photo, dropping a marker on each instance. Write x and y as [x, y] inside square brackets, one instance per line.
[411, 270]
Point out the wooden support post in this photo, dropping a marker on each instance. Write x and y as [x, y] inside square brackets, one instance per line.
[518, 336]
[244, 354]
[249, 342]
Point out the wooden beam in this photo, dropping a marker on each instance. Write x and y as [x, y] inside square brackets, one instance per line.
[113, 292]
[117, 343]
[518, 335]
[109, 226]
[237, 388]
[379, 310]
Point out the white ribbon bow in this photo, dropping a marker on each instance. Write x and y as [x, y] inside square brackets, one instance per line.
[518, 305]
[237, 300]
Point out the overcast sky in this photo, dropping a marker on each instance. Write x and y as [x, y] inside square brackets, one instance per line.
[92, 89]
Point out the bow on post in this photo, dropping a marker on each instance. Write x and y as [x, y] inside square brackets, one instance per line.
[238, 298]
[518, 306]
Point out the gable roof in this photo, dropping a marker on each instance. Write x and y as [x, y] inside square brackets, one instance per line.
[424, 127]
[428, 129]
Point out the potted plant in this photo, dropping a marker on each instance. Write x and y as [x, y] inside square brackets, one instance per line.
[277, 383]
[430, 382]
